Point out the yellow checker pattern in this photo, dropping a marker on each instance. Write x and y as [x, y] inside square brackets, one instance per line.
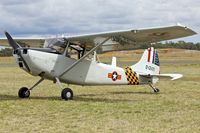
[131, 76]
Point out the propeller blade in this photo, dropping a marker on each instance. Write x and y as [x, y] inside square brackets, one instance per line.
[16, 47]
[12, 43]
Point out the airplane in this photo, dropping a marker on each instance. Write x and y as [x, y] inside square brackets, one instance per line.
[68, 59]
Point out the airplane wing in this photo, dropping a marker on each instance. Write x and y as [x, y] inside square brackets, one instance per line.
[119, 40]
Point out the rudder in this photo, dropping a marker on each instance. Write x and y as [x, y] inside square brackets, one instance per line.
[149, 63]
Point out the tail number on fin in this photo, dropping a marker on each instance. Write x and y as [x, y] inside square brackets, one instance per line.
[147, 67]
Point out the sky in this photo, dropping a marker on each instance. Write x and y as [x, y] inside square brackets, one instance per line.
[75, 17]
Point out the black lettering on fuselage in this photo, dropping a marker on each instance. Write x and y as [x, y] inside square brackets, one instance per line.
[150, 68]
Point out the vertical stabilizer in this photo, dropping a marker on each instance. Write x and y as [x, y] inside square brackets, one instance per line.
[149, 63]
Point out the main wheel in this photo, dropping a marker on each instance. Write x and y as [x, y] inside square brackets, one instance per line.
[67, 94]
[24, 92]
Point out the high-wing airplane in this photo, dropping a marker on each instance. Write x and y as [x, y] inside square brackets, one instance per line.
[57, 60]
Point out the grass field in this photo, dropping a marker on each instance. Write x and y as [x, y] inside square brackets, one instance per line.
[119, 109]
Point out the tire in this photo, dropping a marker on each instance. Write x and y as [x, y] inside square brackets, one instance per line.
[23, 92]
[156, 90]
[67, 94]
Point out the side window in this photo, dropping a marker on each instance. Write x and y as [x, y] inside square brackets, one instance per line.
[71, 53]
[59, 49]
[75, 51]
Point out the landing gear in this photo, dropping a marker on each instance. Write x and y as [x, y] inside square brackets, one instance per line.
[67, 94]
[24, 92]
[156, 90]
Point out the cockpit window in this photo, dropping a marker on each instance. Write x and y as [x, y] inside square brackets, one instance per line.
[57, 44]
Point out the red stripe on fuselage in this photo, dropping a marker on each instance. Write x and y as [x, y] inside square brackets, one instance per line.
[149, 54]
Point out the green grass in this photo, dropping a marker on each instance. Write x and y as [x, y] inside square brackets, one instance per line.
[116, 109]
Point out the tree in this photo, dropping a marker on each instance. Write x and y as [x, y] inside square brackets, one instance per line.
[6, 52]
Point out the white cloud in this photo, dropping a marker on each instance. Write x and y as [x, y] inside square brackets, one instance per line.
[78, 16]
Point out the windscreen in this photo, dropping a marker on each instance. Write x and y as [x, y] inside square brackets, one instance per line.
[57, 44]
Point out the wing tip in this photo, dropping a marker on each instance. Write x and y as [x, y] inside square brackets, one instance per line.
[186, 28]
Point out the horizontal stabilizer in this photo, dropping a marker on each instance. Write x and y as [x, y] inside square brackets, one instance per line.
[167, 76]
[173, 76]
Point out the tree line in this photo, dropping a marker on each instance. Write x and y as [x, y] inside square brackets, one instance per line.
[171, 44]
[167, 44]
[6, 52]
[179, 45]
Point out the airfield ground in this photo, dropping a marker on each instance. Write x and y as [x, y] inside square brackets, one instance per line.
[118, 109]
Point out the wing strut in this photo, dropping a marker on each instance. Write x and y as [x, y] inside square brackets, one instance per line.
[83, 57]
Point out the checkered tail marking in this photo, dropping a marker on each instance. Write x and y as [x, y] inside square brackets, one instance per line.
[131, 76]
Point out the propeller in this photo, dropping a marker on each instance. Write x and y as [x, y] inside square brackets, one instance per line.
[17, 48]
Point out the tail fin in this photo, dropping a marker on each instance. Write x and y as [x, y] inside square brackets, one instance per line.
[149, 63]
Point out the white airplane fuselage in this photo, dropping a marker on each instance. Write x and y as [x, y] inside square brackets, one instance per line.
[87, 72]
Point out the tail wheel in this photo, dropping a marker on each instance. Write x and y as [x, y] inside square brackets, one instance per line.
[24, 92]
[67, 94]
[156, 90]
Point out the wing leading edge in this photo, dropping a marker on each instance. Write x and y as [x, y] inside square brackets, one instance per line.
[132, 37]
[142, 35]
